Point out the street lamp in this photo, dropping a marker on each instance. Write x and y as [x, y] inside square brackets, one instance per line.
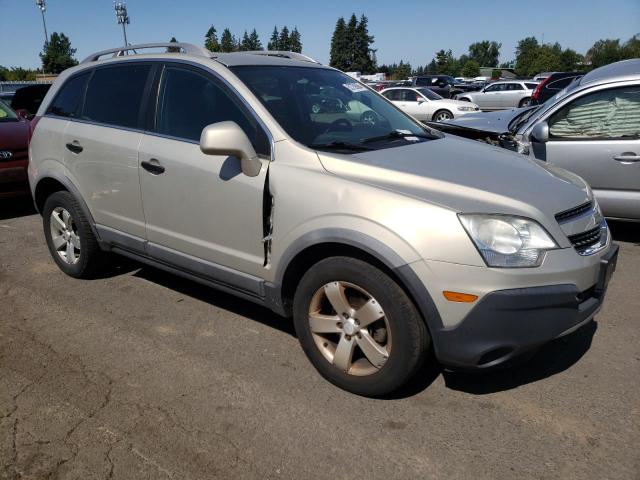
[41, 4]
[123, 18]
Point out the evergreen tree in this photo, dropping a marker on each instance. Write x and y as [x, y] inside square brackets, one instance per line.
[339, 44]
[227, 41]
[362, 61]
[57, 54]
[245, 44]
[211, 40]
[274, 41]
[352, 47]
[284, 42]
[173, 49]
[254, 41]
[295, 41]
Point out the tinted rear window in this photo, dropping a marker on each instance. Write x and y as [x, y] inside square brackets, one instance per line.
[531, 86]
[69, 99]
[114, 95]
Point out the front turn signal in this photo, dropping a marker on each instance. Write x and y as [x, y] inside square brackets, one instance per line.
[459, 297]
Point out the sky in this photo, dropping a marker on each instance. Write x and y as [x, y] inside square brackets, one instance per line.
[409, 30]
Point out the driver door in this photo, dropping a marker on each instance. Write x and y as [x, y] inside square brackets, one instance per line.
[490, 96]
[201, 211]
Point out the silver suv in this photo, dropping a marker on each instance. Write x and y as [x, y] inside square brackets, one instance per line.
[381, 237]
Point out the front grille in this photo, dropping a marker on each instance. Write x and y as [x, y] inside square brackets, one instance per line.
[582, 241]
[567, 215]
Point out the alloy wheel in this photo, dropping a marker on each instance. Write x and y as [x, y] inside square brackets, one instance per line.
[442, 116]
[350, 328]
[64, 235]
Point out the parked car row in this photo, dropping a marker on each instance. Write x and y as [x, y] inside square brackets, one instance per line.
[291, 185]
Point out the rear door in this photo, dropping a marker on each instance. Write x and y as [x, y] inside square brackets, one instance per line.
[512, 95]
[102, 147]
[201, 211]
[597, 136]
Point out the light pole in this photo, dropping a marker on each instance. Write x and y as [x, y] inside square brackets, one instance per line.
[41, 4]
[123, 18]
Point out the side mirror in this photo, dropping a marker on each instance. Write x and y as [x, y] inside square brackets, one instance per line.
[420, 100]
[540, 132]
[227, 138]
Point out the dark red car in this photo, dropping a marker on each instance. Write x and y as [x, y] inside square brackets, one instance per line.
[14, 143]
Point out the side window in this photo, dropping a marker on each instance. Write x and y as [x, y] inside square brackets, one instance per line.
[393, 95]
[409, 96]
[559, 84]
[495, 87]
[514, 86]
[531, 86]
[421, 81]
[68, 100]
[114, 95]
[606, 114]
[189, 101]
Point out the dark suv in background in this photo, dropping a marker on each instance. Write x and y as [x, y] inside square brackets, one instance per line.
[551, 85]
[443, 85]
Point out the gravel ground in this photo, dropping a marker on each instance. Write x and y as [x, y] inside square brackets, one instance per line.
[144, 375]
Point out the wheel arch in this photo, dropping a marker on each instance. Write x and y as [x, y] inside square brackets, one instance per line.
[316, 246]
[51, 183]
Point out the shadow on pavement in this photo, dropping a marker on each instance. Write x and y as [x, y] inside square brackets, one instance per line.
[14, 207]
[552, 358]
[625, 231]
[217, 298]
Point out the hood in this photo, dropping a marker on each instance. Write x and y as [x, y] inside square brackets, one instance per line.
[456, 103]
[465, 176]
[491, 122]
[14, 135]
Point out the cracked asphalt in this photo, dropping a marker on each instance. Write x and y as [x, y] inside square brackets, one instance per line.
[140, 375]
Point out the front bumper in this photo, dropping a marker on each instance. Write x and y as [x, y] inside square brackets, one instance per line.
[507, 323]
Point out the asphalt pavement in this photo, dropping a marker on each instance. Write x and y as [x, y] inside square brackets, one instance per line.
[142, 375]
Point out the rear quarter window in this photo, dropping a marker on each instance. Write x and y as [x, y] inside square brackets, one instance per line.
[68, 100]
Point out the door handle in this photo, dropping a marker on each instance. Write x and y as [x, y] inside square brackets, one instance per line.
[152, 166]
[74, 146]
[627, 157]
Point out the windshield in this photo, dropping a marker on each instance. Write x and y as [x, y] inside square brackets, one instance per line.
[326, 109]
[429, 94]
[6, 114]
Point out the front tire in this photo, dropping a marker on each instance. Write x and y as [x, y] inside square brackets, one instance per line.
[357, 326]
[70, 239]
[442, 116]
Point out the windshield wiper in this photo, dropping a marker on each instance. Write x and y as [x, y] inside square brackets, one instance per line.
[396, 135]
[339, 146]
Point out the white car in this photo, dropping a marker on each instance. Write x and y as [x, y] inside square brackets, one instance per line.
[501, 95]
[426, 105]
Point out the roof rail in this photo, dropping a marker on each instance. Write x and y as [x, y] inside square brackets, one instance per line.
[284, 54]
[188, 48]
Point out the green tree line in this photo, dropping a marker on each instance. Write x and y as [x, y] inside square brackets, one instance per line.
[532, 57]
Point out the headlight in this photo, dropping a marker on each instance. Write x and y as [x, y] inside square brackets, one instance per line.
[466, 109]
[506, 241]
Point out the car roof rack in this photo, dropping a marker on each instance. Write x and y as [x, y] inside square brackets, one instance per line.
[282, 54]
[187, 48]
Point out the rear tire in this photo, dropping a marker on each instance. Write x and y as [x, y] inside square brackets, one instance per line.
[343, 305]
[525, 102]
[70, 239]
